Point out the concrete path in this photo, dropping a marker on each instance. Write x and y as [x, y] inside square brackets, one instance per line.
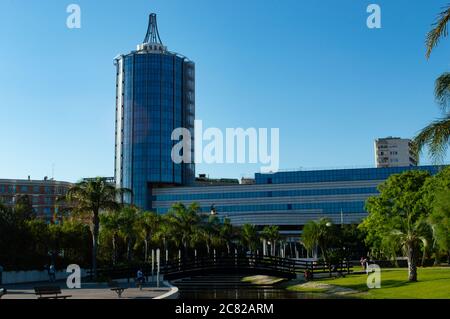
[88, 291]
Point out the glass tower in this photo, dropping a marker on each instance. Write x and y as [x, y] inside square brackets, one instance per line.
[155, 94]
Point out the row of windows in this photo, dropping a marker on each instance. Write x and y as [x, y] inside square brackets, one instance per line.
[154, 90]
[265, 194]
[337, 175]
[146, 139]
[165, 129]
[12, 189]
[332, 208]
[35, 199]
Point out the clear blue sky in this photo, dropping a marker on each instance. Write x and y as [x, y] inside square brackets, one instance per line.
[311, 68]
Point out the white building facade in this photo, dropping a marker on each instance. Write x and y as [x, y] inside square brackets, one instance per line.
[394, 152]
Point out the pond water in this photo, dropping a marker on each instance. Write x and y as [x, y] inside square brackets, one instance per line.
[231, 287]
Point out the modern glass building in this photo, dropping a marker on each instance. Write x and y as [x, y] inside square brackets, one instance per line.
[155, 93]
[288, 199]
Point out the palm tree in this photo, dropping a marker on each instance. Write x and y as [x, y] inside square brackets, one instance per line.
[110, 222]
[128, 217]
[249, 237]
[410, 234]
[88, 199]
[165, 231]
[208, 232]
[271, 234]
[439, 220]
[317, 234]
[227, 233]
[183, 221]
[147, 225]
[309, 238]
[439, 30]
[436, 135]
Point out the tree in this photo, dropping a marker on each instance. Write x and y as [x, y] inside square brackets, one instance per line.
[208, 232]
[397, 217]
[165, 231]
[309, 238]
[110, 223]
[350, 240]
[249, 237]
[437, 134]
[128, 217]
[440, 222]
[28, 243]
[88, 199]
[317, 234]
[272, 235]
[438, 201]
[227, 233]
[24, 208]
[147, 226]
[183, 221]
[75, 242]
[39, 231]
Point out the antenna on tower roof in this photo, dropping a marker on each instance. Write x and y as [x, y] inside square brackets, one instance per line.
[152, 35]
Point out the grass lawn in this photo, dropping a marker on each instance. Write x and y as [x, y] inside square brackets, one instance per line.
[433, 282]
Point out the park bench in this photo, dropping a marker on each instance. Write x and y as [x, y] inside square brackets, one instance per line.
[116, 288]
[2, 292]
[49, 292]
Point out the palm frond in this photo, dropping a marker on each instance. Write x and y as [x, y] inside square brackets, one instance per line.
[442, 90]
[436, 136]
[439, 30]
[424, 241]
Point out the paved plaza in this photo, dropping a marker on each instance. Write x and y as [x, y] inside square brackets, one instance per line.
[89, 291]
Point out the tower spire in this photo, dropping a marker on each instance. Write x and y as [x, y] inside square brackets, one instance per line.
[152, 35]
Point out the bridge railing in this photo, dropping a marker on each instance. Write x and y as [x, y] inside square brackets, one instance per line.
[230, 262]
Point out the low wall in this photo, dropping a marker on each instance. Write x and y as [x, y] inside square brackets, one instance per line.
[17, 277]
[173, 293]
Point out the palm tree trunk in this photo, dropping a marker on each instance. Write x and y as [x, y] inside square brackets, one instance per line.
[114, 256]
[95, 231]
[323, 254]
[145, 250]
[412, 264]
[424, 255]
[129, 251]
[185, 245]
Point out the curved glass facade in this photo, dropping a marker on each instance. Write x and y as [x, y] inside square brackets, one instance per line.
[155, 95]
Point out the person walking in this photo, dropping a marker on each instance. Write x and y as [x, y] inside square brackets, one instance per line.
[140, 279]
[52, 273]
[363, 262]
